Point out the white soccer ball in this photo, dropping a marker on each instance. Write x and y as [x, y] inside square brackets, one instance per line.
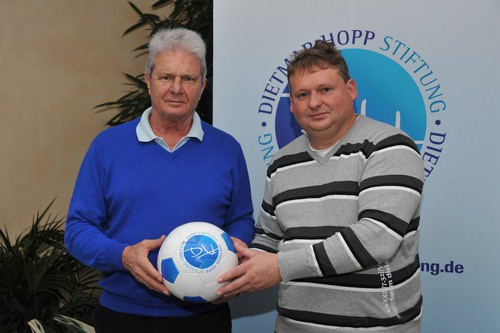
[192, 257]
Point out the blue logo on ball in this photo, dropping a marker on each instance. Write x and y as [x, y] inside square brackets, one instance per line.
[201, 251]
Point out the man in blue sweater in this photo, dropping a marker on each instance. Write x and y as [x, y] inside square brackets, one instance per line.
[140, 180]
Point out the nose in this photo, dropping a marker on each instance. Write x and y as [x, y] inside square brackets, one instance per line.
[177, 87]
[314, 100]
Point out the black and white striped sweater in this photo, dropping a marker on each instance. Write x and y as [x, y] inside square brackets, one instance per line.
[346, 230]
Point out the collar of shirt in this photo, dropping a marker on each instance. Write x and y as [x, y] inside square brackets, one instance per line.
[145, 132]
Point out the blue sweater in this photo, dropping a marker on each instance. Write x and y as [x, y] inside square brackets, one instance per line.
[128, 191]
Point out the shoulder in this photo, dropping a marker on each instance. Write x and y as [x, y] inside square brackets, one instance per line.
[118, 131]
[293, 153]
[218, 137]
[119, 135]
[298, 145]
[374, 133]
[375, 130]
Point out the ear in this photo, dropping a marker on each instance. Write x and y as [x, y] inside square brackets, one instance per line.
[351, 87]
[147, 79]
[203, 85]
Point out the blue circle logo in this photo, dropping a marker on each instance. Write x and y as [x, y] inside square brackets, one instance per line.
[201, 251]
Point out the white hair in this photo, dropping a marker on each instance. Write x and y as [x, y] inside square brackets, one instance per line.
[178, 38]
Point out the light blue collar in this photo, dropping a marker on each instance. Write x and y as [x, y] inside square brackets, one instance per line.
[145, 132]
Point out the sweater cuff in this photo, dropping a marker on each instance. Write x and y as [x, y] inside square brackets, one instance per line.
[112, 258]
[297, 264]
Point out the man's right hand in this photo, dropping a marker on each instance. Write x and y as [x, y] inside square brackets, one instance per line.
[135, 259]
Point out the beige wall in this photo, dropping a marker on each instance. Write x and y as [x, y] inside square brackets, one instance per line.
[58, 59]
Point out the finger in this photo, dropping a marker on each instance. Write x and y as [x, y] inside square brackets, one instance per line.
[225, 299]
[232, 289]
[152, 272]
[244, 250]
[151, 282]
[232, 295]
[238, 241]
[152, 244]
[237, 285]
[232, 274]
[158, 286]
[221, 299]
[144, 272]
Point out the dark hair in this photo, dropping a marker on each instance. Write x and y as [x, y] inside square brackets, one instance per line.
[323, 55]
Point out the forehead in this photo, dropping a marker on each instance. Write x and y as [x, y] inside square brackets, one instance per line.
[314, 75]
[177, 61]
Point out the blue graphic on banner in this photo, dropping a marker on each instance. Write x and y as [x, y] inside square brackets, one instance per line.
[395, 86]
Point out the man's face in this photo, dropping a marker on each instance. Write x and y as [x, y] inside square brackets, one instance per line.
[175, 85]
[322, 104]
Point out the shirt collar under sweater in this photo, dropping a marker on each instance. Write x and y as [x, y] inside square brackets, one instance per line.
[145, 132]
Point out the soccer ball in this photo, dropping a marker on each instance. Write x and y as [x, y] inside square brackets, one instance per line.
[192, 257]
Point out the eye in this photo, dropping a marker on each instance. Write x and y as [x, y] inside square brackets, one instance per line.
[165, 77]
[326, 90]
[301, 95]
[189, 79]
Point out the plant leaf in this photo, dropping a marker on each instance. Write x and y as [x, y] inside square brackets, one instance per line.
[39, 279]
[74, 324]
[36, 326]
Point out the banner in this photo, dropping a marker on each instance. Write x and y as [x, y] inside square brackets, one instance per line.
[429, 68]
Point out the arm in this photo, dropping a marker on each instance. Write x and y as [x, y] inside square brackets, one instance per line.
[84, 236]
[86, 240]
[389, 198]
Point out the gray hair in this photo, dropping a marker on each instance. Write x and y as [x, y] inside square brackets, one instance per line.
[172, 39]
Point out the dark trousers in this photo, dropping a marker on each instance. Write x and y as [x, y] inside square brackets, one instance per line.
[108, 321]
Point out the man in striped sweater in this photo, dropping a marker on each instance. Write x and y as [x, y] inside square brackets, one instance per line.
[339, 223]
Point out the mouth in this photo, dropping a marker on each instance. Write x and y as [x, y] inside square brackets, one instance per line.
[317, 115]
[175, 102]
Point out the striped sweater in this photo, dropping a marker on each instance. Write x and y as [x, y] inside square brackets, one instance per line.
[346, 230]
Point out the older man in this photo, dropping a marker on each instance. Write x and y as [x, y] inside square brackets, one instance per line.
[140, 180]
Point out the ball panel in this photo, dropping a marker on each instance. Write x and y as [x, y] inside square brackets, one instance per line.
[189, 284]
[196, 299]
[228, 241]
[169, 270]
[210, 292]
[168, 248]
[173, 290]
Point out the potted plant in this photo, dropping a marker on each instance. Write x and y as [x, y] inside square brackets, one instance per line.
[42, 288]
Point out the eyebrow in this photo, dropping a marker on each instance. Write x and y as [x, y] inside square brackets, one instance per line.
[160, 73]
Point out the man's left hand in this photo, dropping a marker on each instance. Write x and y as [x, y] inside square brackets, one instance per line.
[258, 271]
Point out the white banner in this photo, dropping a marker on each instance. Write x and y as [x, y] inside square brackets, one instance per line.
[428, 67]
